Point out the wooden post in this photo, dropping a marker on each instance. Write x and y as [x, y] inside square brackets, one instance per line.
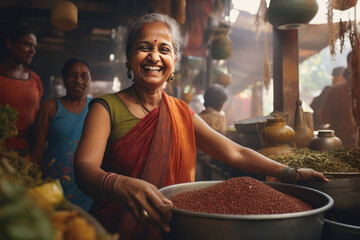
[256, 107]
[286, 71]
[209, 69]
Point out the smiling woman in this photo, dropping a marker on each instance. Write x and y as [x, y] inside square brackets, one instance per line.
[20, 87]
[152, 56]
[59, 124]
[141, 139]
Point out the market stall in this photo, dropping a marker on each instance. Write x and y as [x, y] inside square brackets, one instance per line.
[37, 206]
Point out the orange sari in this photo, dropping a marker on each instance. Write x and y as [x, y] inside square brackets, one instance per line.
[160, 149]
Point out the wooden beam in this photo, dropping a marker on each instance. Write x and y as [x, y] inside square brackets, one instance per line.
[286, 71]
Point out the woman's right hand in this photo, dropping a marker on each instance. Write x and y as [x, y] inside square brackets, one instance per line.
[307, 173]
[145, 201]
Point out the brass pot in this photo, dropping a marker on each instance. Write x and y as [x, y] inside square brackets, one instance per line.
[277, 136]
[277, 132]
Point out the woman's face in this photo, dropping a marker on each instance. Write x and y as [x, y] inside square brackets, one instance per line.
[24, 49]
[152, 57]
[77, 80]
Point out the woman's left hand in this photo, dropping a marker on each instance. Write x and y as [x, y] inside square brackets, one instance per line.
[307, 173]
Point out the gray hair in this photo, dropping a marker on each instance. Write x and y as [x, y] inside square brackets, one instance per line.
[154, 17]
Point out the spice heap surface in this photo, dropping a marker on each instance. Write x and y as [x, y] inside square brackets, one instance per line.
[239, 196]
[346, 159]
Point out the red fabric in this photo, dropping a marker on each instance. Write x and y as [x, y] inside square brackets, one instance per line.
[159, 149]
[24, 96]
[337, 112]
[196, 24]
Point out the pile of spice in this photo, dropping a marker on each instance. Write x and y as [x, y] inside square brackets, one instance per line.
[239, 196]
[344, 160]
[349, 155]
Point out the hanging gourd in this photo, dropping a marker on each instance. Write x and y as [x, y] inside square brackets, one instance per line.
[224, 79]
[64, 16]
[221, 48]
[291, 14]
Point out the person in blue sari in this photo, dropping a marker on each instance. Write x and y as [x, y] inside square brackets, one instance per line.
[59, 126]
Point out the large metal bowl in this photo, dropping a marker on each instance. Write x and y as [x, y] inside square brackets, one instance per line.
[344, 188]
[335, 230]
[344, 225]
[301, 225]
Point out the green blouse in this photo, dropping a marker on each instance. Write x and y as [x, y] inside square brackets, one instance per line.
[121, 119]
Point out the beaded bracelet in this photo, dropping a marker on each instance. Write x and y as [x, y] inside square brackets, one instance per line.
[289, 175]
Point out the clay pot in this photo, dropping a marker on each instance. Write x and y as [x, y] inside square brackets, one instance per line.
[277, 132]
[221, 46]
[285, 14]
[303, 134]
[277, 136]
[224, 79]
[325, 141]
[343, 5]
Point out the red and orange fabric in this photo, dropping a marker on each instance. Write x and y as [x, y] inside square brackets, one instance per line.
[159, 149]
[24, 96]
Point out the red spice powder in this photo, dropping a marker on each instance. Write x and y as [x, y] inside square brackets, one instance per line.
[239, 196]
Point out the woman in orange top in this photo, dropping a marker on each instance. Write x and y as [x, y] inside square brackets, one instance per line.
[140, 139]
[20, 87]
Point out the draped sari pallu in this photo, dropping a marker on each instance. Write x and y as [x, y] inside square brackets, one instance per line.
[160, 149]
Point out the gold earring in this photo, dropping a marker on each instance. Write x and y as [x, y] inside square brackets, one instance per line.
[129, 75]
[171, 78]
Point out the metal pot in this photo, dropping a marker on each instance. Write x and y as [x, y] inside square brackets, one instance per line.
[301, 225]
[344, 225]
[344, 188]
[335, 230]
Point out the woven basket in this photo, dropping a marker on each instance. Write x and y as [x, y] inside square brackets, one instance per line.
[64, 16]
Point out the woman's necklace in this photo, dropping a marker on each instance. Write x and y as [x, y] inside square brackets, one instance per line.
[137, 97]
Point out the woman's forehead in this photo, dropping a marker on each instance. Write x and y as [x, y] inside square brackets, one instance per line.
[78, 67]
[154, 32]
[28, 37]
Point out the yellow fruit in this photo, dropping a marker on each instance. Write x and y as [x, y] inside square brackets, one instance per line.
[48, 195]
[80, 229]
